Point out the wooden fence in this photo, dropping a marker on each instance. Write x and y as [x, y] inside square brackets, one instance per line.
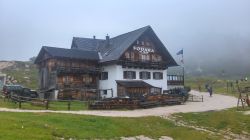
[195, 98]
[44, 103]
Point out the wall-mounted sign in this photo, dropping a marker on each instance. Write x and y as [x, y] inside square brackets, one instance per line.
[143, 50]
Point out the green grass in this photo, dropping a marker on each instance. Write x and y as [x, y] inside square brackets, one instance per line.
[75, 105]
[51, 126]
[231, 119]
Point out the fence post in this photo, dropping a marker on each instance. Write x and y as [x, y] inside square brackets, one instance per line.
[69, 105]
[112, 92]
[19, 101]
[46, 104]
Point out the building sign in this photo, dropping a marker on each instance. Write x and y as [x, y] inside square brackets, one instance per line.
[143, 50]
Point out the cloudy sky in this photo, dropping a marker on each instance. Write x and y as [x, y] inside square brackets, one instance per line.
[207, 30]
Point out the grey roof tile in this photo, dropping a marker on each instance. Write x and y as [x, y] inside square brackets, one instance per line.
[71, 53]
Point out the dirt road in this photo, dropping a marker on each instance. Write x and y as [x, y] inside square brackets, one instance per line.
[217, 102]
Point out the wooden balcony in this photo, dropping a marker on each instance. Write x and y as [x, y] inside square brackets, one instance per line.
[76, 70]
[77, 86]
[143, 64]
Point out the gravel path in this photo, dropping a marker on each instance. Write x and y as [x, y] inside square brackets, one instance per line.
[217, 102]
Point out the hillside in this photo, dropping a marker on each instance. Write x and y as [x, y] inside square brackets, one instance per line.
[23, 73]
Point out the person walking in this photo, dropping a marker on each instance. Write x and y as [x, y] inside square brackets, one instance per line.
[210, 90]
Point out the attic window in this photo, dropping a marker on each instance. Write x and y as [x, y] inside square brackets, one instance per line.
[142, 43]
[127, 56]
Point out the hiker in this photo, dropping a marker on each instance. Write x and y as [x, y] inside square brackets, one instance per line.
[210, 90]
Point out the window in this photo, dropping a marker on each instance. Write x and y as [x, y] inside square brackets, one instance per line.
[155, 90]
[142, 43]
[132, 55]
[158, 75]
[66, 79]
[77, 78]
[105, 92]
[156, 58]
[145, 75]
[127, 55]
[87, 79]
[104, 76]
[144, 57]
[129, 75]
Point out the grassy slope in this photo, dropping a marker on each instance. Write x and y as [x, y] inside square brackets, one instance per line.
[19, 71]
[225, 120]
[219, 85]
[51, 126]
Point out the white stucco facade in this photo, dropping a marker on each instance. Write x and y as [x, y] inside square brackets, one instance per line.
[115, 72]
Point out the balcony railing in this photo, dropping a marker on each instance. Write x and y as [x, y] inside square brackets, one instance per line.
[143, 64]
[77, 86]
[78, 70]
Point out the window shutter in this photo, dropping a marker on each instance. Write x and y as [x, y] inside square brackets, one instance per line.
[100, 76]
[140, 75]
[148, 75]
[125, 75]
[134, 75]
[107, 76]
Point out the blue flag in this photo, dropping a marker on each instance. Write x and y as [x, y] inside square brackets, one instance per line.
[180, 52]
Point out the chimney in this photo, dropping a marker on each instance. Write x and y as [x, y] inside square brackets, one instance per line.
[107, 39]
[94, 37]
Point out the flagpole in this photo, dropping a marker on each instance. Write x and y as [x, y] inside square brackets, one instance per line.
[183, 71]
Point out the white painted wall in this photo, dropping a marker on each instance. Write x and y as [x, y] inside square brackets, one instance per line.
[115, 72]
[110, 83]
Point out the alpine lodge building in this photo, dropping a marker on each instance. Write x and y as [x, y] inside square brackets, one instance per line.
[129, 65]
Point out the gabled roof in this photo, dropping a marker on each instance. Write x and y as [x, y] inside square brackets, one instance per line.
[119, 44]
[91, 48]
[67, 53]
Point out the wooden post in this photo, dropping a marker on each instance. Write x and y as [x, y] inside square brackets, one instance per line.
[19, 101]
[69, 105]
[98, 95]
[20, 104]
[47, 104]
[112, 92]
[227, 86]
[88, 103]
